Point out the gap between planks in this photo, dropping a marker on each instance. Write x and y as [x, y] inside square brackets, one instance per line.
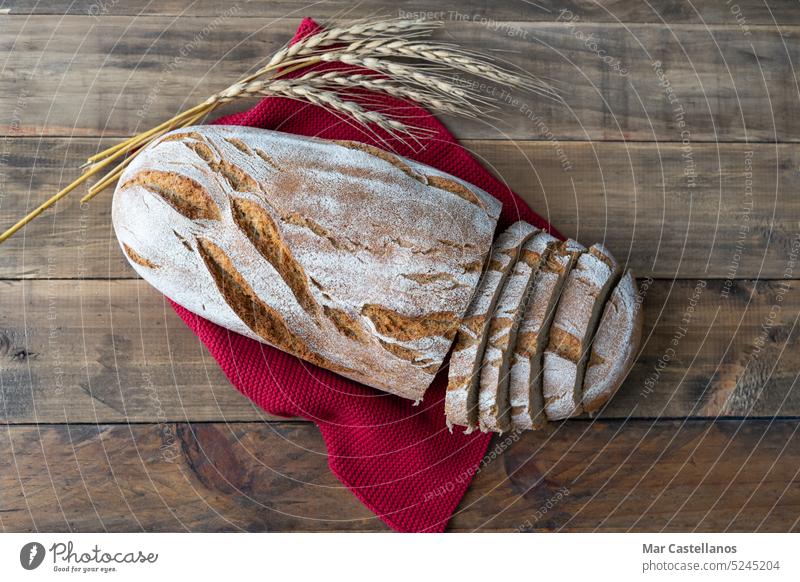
[301, 421]
[533, 140]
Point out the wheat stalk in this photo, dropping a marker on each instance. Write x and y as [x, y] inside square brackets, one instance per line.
[385, 47]
[362, 31]
[430, 80]
[376, 55]
[444, 102]
[333, 101]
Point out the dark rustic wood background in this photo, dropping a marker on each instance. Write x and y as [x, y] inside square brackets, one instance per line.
[116, 418]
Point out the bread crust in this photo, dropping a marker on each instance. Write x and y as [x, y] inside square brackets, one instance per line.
[372, 266]
[579, 309]
[525, 379]
[461, 407]
[615, 344]
[356, 260]
[493, 400]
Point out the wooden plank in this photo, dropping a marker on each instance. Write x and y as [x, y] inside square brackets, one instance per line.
[749, 12]
[576, 476]
[119, 74]
[70, 240]
[167, 477]
[735, 218]
[738, 221]
[113, 351]
[91, 350]
[641, 476]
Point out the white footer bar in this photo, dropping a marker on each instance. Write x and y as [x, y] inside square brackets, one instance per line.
[406, 558]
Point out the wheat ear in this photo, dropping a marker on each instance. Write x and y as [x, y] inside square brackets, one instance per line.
[369, 44]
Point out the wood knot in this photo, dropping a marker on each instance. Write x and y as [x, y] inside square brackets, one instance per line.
[21, 354]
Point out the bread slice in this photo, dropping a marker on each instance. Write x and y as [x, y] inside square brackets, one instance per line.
[494, 412]
[615, 344]
[525, 378]
[577, 315]
[461, 398]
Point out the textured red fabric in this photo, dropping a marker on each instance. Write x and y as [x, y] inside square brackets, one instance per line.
[397, 458]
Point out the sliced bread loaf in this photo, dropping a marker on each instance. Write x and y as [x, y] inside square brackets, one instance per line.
[577, 315]
[493, 406]
[615, 344]
[525, 378]
[461, 398]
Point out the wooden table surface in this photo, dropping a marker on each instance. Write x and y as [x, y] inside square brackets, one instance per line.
[678, 146]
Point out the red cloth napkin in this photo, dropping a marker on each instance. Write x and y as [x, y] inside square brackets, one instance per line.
[398, 459]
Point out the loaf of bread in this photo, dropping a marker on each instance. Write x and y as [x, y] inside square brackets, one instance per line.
[493, 405]
[351, 258]
[461, 399]
[579, 309]
[615, 344]
[372, 266]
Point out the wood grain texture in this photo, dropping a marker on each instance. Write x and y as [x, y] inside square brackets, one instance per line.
[119, 74]
[106, 350]
[641, 476]
[673, 11]
[739, 220]
[604, 476]
[113, 351]
[167, 477]
[94, 355]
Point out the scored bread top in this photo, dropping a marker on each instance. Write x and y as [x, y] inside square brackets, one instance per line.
[462, 388]
[347, 256]
[615, 344]
[579, 309]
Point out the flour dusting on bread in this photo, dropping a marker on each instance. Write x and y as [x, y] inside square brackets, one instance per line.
[368, 266]
[374, 266]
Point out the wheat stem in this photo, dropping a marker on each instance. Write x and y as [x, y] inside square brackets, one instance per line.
[106, 181]
[111, 177]
[53, 199]
[372, 45]
[132, 141]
